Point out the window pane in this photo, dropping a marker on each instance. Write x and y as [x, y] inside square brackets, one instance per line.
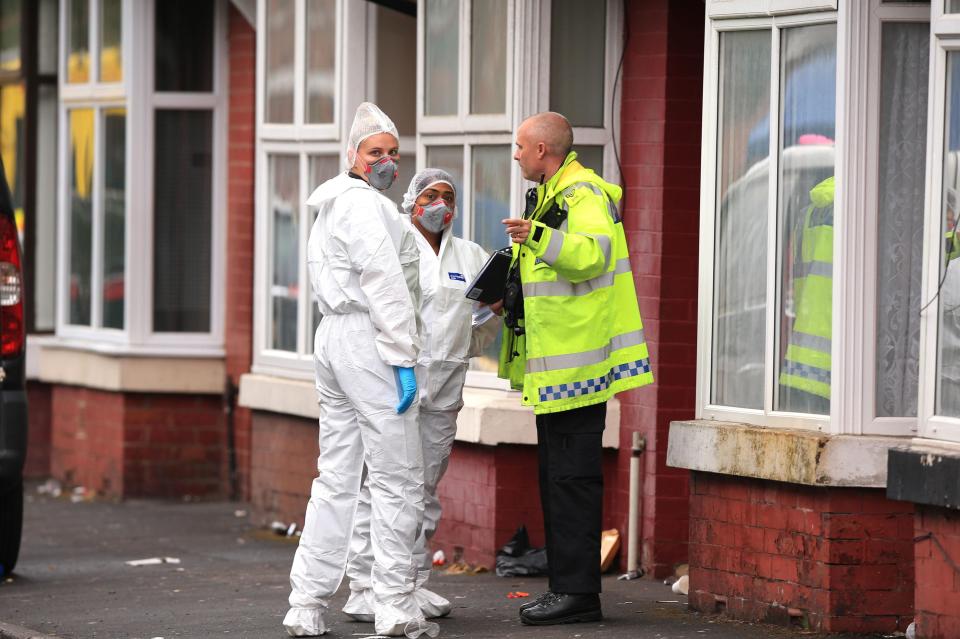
[114, 215]
[490, 204]
[322, 168]
[948, 335]
[321, 59]
[442, 56]
[278, 79]
[396, 69]
[185, 37]
[12, 145]
[740, 285]
[488, 57]
[81, 186]
[45, 235]
[10, 27]
[902, 156]
[805, 216]
[577, 70]
[284, 207]
[181, 221]
[450, 159]
[78, 45]
[111, 56]
[48, 37]
[590, 157]
[953, 6]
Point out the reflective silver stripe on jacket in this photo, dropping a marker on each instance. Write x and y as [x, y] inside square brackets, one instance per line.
[569, 289]
[806, 371]
[586, 358]
[813, 342]
[552, 251]
[804, 269]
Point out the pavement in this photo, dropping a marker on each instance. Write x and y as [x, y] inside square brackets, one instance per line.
[231, 579]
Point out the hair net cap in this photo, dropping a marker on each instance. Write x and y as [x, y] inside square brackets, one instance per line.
[369, 120]
[423, 181]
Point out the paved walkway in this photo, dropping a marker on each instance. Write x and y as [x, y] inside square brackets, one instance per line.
[231, 580]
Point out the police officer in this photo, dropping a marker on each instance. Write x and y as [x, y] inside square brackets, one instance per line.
[573, 338]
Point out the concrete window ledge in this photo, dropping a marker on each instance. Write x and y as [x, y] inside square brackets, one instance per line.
[56, 363]
[926, 472]
[779, 454]
[488, 417]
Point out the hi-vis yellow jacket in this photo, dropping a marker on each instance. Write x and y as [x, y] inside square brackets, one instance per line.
[583, 338]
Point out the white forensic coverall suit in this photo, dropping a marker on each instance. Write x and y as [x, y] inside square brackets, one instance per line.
[363, 262]
[450, 339]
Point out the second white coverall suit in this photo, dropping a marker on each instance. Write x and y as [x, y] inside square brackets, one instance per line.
[449, 339]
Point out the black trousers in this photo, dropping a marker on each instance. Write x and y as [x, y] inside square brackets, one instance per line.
[571, 494]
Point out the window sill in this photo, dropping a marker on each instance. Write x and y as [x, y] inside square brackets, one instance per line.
[780, 454]
[110, 368]
[489, 417]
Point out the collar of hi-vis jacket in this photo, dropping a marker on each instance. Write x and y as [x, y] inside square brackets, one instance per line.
[549, 190]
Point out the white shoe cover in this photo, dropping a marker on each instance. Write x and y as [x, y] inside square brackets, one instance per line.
[394, 621]
[431, 604]
[360, 605]
[305, 622]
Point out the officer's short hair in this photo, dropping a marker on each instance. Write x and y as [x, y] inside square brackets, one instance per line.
[554, 130]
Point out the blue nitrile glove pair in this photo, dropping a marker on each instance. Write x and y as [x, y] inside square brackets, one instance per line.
[406, 387]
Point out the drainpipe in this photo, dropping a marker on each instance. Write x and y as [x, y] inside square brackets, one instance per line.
[633, 522]
[229, 408]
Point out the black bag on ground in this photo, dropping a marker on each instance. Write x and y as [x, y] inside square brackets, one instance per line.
[518, 559]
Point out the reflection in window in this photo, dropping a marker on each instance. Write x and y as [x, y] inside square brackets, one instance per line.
[902, 161]
[322, 168]
[114, 215]
[450, 159]
[80, 171]
[396, 69]
[183, 182]
[284, 207]
[577, 70]
[948, 334]
[111, 58]
[490, 204]
[320, 61]
[78, 42]
[805, 217]
[743, 186]
[12, 145]
[10, 27]
[278, 79]
[185, 37]
[442, 56]
[488, 57]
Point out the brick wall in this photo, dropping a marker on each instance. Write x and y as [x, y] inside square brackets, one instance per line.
[240, 226]
[137, 445]
[39, 433]
[660, 142]
[283, 463]
[938, 582]
[835, 559]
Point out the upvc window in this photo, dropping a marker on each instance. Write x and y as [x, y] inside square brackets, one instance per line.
[484, 66]
[142, 166]
[829, 295]
[316, 60]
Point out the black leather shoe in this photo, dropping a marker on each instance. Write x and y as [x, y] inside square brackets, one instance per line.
[561, 608]
[540, 599]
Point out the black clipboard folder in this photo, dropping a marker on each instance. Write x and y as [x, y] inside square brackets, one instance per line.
[488, 285]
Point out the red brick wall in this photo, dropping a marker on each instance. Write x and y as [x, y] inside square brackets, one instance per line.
[240, 225]
[38, 430]
[660, 142]
[938, 583]
[839, 559]
[130, 445]
[283, 463]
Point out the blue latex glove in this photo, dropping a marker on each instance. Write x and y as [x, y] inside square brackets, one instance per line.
[406, 387]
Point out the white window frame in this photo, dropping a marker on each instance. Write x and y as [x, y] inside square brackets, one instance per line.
[136, 94]
[354, 22]
[528, 92]
[945, 38]
[746, 8]
[708, 195]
